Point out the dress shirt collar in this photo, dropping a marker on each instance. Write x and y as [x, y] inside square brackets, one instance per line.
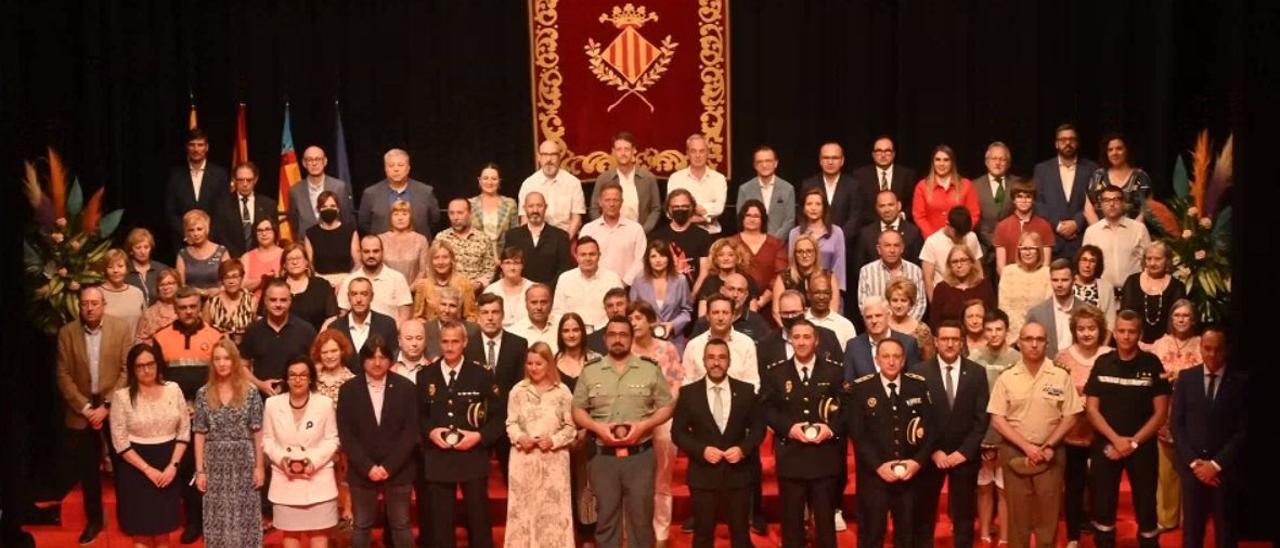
[92, 331]
[884, 381]
[375, 384]
[1063, 162]
[773, 180]
[811, 365]
[894, 226]
[943, 365]
[496, 340]
[197, 167]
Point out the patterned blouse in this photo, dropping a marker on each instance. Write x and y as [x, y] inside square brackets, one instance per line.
[1136, 190]
[495, 225]
[147, 421]
[233, 322]
[225, 423]
[156, 317]
[473, 254]
[1175, 355]
[535, 413]
[668, 359]
[329, 383]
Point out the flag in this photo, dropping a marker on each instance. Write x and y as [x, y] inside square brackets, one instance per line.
[191, 119]
[289, 175]
[240, 152]
[340, 163]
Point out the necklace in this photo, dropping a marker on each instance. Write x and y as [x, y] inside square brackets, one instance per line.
[1146, 309]
[304, 402]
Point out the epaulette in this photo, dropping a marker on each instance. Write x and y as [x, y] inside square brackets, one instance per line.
[915, 376]
[593, 361]
[828, 359]
[1061, 365]
[772, 365]
[864, 378]
[650, 360]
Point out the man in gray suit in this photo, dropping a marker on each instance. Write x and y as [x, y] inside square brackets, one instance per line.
[995, 201]
[302, 198]
[375, 203]
[632, 177]
[1060, 191]
[780, 202]
[448, 309]
[1055, 313]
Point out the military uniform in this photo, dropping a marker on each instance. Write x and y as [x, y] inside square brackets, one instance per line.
[614, 398]
[889, 420]
[471, 401]
[807, 473]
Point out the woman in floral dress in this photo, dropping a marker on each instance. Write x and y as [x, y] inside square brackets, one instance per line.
[540, 425]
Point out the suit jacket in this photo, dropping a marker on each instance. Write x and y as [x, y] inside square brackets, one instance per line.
[1204, 430]
[903, 185]
[74, 382]
[846, 204]
[1043, 315]
[782, 212]
[857, 355]
[379, 324]
[390, 442]
[989, 216]
[962, 425]
[912, 241]
[509, 368]
[180, 194]
[433, 336]
[693, 429]
[650, 205]
[472, 402]
[788, 401]
[1055, 206]
[543, 262]
[302, 213]
[883, 433]
[225, 227]
[375, 207]
[315, 439]
[772, 349]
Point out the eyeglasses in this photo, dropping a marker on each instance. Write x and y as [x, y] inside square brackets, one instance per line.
[244, 179]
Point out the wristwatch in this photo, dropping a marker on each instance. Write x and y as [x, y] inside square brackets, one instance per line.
[1133, 443]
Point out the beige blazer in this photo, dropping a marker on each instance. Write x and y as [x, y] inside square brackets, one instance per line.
[74, 381]
[315, 438]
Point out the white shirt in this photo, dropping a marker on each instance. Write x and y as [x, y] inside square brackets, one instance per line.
[995, 187]
[532, 334]
[313, 192]
[830, 187]
[390, 291]
[563, 194]
[377, 393]
[842, 327]
[576, 292]
[197, 175]
[359, 331]
[884, 174]
[954, 374]
[630, 196]
[766, 192]
[1068, 174]
[513, 309]
[802, 367]
[709, 192]
[884, 381]
[938, 246]
[242, 204]
[621, 246]
[743, 364]
[1062, 321]
[409, 369]
[724, 393]
[1122, 245]
[446, 369]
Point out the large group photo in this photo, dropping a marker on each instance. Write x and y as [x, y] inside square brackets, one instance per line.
[657, 273]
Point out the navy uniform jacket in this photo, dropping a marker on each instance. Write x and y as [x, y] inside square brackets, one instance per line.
[473, 402]
[1204, 430]
[693, 429]
[882, 433]
[962, 425]
[788, 401]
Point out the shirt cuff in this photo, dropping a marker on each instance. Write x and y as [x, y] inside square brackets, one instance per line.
[86, 409]
[1216, 466]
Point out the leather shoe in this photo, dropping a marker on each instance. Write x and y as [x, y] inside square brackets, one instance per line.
[687, 525]
[189, 536]
[51, 515]
[758, 525]
[91, 532]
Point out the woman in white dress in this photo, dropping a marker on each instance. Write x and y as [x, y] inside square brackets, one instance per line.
[540, 425]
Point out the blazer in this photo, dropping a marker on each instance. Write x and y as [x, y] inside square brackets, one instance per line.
[433, 337]
[508, 218]
[646, 189]
[883, 433]
[224, 222]
[302, 213]
[458, 405]
[903, 185]
[693, 429]
[962, 425]
[846, 205]
[74, 382]
[509, 368]
[543, 262]
[1214, 431]
[677, 306]
[772, 349]
[315, 439]
[368, 442]
[379, 324]
[988, 215]
[788, 401]
[912, 241]
[1043, 315]
[1055, 206]
[857, 356]
[180, 194]
[782, 212]
[375, 207]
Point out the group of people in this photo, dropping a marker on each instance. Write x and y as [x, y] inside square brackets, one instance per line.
[295, 384]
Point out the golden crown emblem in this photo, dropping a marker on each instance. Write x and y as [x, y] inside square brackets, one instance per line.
[630, 63]
[629, 16]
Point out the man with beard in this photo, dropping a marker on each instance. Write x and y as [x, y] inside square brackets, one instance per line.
[640, 198]
[303, 211]
[545, 246]
[1060, 190]
[561, 190]
[197, 186]
[391, 294]
[689, 242]
[472, 249]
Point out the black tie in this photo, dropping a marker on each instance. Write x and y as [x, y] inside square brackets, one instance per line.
[246, 220]
[453, 376]
[893, 394]
[804, 375]
[1213, 387]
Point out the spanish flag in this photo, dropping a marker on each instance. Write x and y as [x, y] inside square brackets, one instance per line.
[240, 152]
[290, 174]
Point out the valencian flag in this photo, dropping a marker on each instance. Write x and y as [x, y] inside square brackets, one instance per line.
[289, 175]
[191, 118]
[240, 152]
[341, 166]
[659, 69]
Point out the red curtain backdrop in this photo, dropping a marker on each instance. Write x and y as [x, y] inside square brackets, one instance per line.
[657, 68]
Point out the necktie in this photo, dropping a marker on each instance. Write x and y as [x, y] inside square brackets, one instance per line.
[1213, 387]
[246, 220]
[492, 360]
[453, 376]
[999, 197]
[893, 394]
[804, 375]
[717, 408]
[884, 180]
[951, 388]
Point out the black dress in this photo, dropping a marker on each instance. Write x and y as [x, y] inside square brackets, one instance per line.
[332, 249]
[1153, 309]
[317, 304]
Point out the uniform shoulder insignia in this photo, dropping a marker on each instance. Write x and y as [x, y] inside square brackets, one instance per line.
[648, 359]
[828, 359]
[772, 365]
[593, 360]
[1061, 365]
[915, 376]
[864, 378]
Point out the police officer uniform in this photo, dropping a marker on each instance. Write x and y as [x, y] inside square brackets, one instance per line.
[1125, 391]
[465, 399]
[890, 420]
[791, 393]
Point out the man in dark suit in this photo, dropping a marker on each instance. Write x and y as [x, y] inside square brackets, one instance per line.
[449, 308]
[303, 213]
[717, 423]
[237, 214]
[891, 421]
[1208, 425]
[1061, 305]
[362, 323]
[1062, 201]
[378, 429]
[547, 252]
[883, 174]
[502, 353]
[462, 417]
[193, 186]
[776, 346]
[995, 199]
[840, 188]
[958, 389]
[627, 172]
[376, 201]
[887, 216]
[616, 301]
[859, 355]
[801, 400]
[781, 202]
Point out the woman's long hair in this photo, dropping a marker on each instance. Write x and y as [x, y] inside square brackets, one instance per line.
[793, 270]
[956, 192]
[239, 384]
[131, 373]
[802, 220]
[560, 345]
[664, 249]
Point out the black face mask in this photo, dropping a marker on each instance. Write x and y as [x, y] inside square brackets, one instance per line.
[328, 215]
[788, 322]
[681, 216]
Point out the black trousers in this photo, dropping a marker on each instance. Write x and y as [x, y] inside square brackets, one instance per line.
[962, 501]
[86, 446]
[192, 498]
[1143, 469]
[475, 495]
[1199, 502]
[794, 493]
[736, 505]
[878, 500]
[1077, 481]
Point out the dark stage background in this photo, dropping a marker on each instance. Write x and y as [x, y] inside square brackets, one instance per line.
[107, 83]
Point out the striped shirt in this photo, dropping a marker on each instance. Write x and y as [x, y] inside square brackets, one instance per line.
[875, 277]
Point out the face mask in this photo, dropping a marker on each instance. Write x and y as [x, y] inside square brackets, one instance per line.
[681, 216]
[328, 215]
[788, 322]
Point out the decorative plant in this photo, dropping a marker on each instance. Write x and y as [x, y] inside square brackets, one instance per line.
[1196, 225]
[64, 246]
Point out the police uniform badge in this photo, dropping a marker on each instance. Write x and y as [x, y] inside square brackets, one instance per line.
[915, 431]
[431, 390]
[496, 391]
[847, 387]
[787, 387]
[871, 402]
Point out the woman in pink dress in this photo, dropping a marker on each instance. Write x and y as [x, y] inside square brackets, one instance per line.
[263, 260]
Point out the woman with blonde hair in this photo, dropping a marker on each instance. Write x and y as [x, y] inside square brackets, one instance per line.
[228, 451]
[442, 272]
[123, 300]
[727, 256]
[403, 248]
[962, 280]
[198, 261]
[901, 296]
[804, 263]
[940, 191]
[541, 428]
[1025, 284]
[161, 313]
[142, 268]
[1152, 292]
